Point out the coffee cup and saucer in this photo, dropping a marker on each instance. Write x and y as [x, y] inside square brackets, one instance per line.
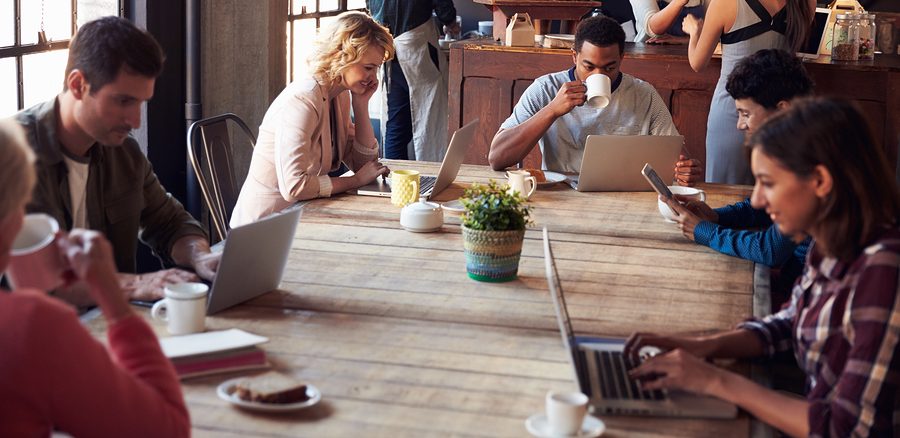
[565, 417]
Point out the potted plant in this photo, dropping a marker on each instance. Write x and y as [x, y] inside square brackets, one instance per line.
[493, 228]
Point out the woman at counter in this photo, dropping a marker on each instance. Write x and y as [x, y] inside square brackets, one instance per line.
[743, 27]
[819, 173]
[307, 132]
[658, 21]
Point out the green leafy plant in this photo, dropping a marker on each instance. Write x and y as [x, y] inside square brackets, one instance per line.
[491, 208]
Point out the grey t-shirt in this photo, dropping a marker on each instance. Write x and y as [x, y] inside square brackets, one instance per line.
[634, 109]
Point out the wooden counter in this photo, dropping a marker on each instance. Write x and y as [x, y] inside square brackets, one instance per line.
[486, 80]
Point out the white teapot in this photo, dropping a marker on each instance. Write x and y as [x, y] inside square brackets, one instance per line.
[422, 217]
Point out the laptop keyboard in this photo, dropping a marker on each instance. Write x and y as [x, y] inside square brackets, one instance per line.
[614, 382]
[426, 183]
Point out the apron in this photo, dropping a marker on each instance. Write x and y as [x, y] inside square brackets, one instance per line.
[427, 90]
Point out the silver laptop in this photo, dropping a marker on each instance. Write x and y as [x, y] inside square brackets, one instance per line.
[432, 185]
[601, 370]
[253, 259]
[613, 163]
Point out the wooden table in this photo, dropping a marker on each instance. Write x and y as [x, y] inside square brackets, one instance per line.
[386, 323]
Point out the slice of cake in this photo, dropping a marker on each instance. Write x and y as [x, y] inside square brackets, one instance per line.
[271, 387]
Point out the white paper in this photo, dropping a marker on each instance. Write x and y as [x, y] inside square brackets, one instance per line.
[209, 342]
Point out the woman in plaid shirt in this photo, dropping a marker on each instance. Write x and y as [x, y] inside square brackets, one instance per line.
[818, 173]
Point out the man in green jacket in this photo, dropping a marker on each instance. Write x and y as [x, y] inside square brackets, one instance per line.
[92, 174]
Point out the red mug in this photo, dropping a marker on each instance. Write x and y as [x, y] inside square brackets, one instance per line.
[35, 260]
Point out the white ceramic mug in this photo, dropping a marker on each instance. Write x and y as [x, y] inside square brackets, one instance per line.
[521, 181]
[35, 259]
[183, 309]
[599, 89]
[565, 412]
[690, 192]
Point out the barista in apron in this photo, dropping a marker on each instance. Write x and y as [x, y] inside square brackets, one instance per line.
[416, 80]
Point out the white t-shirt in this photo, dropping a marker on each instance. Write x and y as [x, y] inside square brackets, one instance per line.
[78, 176]
[635, 108]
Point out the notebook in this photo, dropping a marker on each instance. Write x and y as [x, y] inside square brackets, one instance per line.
[430, 185]
[214, 352]
[253, 259]
[613, 163]
[601, 369]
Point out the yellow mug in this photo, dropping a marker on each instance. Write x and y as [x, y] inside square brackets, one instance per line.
[404, 187]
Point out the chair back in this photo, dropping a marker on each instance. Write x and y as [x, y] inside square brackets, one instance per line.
[211, 149]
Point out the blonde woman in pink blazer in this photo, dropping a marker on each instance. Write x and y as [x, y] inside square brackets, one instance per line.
[307, 131]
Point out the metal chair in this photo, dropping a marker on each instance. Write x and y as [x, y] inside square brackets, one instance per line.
[211, 151]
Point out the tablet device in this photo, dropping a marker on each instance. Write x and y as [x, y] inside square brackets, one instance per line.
[656, 181]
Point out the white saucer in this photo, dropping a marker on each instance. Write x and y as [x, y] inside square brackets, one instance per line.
[453, 207]
[591, 427]
[551, 178]
[226, 391]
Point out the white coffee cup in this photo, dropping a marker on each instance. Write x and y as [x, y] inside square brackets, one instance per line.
[183, 308]
[690, 192]
[35, 259]
[565, 412]
[521, 181]
[598, 90]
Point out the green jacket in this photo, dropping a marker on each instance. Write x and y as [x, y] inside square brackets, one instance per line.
[124, 199]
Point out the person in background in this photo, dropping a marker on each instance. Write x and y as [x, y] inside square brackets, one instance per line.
[743, 27]
[819, 172]
[551, 112]
[659, 21]
[92, 174]
[54, 375]
[307, 132]
[416, 78]
[761, 85]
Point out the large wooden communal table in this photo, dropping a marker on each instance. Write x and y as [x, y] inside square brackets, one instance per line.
[403, 344]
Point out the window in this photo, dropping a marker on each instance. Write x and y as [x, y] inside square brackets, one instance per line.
[305, 17]
[32, 67]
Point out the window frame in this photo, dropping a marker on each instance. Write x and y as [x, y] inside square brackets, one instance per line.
[18, 50]
[318, 14]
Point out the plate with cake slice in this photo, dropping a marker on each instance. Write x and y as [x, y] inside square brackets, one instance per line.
[269, 392]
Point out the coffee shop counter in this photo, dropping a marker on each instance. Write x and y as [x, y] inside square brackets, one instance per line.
[487, 79]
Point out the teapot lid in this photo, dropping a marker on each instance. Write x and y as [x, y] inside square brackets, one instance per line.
[423, 206]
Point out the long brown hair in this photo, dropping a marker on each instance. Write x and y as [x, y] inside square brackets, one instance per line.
[799, 22]
[833, 133]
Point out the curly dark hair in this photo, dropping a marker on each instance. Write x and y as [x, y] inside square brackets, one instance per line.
[102, 47]
[768, 77]
[600, 31]
[833, 133]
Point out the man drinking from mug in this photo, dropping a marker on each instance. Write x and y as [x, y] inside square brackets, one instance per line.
[551, 111]
[92, 174]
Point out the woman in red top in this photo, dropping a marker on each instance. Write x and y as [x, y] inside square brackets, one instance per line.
[53, 374]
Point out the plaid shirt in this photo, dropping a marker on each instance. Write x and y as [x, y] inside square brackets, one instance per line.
[843, 324]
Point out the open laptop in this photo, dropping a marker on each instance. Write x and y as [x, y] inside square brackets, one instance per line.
[601, 370]
[253, 259]
[816, 42]
[613, 163]
[432, 185]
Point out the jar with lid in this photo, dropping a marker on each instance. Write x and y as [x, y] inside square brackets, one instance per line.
[845, 45]
[866, 37]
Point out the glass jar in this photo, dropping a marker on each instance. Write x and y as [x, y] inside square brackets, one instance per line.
[866, 37]
[845, 41]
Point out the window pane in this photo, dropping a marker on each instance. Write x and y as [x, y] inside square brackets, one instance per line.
[299, 6]
[326, 22]
[92, 9]
[57, 16]
[9, 99]
[7, 22]
[329, 5]
[43, 75]
[356, 4]
[304, 35]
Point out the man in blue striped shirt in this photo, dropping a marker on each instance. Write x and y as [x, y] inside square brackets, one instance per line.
[761, 85]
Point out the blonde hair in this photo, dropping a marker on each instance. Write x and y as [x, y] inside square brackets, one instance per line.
[343, 43]
[17, 176]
